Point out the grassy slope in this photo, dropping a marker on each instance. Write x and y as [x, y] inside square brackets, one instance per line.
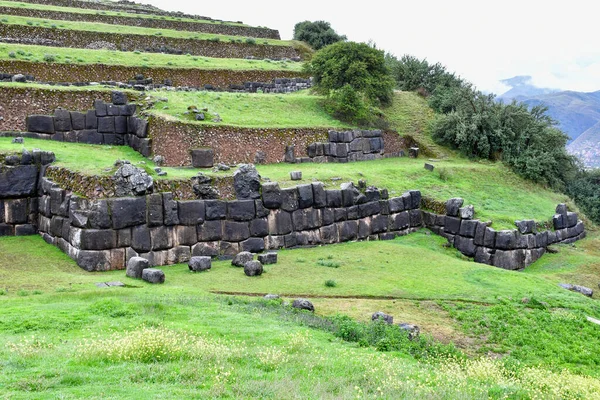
[33, 6]
[252, 110]
[131, 30]
[62, 55]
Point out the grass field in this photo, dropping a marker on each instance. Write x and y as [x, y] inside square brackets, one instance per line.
[33, 6]
[61, 55]
[133, 30]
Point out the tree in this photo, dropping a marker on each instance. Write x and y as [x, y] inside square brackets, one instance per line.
[317, 34]
[356, 64]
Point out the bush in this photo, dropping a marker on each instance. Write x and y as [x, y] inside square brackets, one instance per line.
[49, 58]
[250, 40]
[356, 64]
[317, 34]
[348, 105]
[12, 54]
[330, 283]
[585, 190]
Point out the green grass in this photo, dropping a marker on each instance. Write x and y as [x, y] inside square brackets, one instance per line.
[252, 110]
[33, 6]
[130, 30]
[63, 55]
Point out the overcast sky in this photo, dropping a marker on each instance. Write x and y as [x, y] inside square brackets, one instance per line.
[556, 42]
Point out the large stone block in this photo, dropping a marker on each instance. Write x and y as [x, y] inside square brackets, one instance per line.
[170, 210]
[128, 211]
[208, 249]
[228, 249]
[152, 275]
[368, 209]
[18, 181]
[91, 120]
[135, 266]
[319, 195]
[179, 255]
[25, 230]
[452, 225]
[465, 245]
[77, 121]
[92, 260]
[571, 219]
[348, 230]
[259, 227]
[191, 212]
[480, 233]
[271, 195]
[253, 245]
[483, 255]
[210, 231]
[468, 228]
[509, 259]
[15, 211]
[235, 231]
[489, 238]
[334, 198]
[215, 209]
[416, 219]
[305, 196]
[241, 210]
[62, 120]
[280, 222]
[90, 136]
[40, 124]
[203, 158]
[140, 239]
[106, 124]
[305, 219]
[155, 210]
[161, 238]
[93, 239]
[506, 240]
[200, 263]
[399, 221]
[289, 199]
[329, 234]
[379, 223]
[185, 235]
[453, 206]
[121, 125]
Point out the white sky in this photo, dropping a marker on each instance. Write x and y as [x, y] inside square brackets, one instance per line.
[556, 42]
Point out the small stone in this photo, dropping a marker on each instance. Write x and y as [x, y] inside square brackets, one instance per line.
[242, 258]
[18, 140]
[268, 258]
[158, 160]
[253, 268]
[200, 117]
[152, 275]
[115, 284]
[303, 304]
[199, 264]
[380, 315]
[271, 297]
[296, 175]
[222, 167]
[162, 173]
[429, 167]
[412, 330]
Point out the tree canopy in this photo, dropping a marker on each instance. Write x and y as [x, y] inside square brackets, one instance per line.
[317, 34]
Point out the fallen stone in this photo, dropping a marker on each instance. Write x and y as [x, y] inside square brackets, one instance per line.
[303, 304]
[271, 297]
[253, 268]
[380, 315]
[246, 182]
[200, 263]
[242, 258]
[158, 160]
[577, 288]
[135, 267]
[429, 167]
[152, 275]
[268, 258]
[18, 140]
[412, 330]
[453, 206]
[115, 284]
[132, 181]
[467, 212]
[296, 175]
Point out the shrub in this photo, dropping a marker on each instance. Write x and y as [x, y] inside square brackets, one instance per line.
[325, 263]
[317, 34]
[348, 105]
[250, 40]
[330, 283]
[12, 54]
[49, 58]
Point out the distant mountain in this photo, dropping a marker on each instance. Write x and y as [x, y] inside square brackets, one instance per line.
[522, 86]
[587, 146]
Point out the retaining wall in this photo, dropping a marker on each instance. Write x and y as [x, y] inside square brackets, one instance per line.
[149, 43]
[217, 28]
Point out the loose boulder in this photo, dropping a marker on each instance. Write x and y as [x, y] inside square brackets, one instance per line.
[200, 263]
[242, 258]
[453, 206]
[132, 181]
[412, 330]
[246, 182]
[271, 297]
[303, 304]
[380, 315]
[268, 258]
[135, 267]
[253, 268]
[152, 275]
[577, 288]
[296, 175]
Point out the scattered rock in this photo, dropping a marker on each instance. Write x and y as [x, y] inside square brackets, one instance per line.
[467, 212]
[296, 175]
[216, 118]
[200, 117]
[303, 304]
[221, 167]
[19, 78]
[152, 275]
[577, 288]
[412, 330]
[203, 188]
[429, 167]
[199, 264]
[157, 169]
[253, 268]
[380, 315]
[268, 258]
[132, 181]
[162, 173]
[18, 140]
[118, 98]
[453, 206]
[246, 182]
[552, 249]
[101, 285]
[115, 284]
[135, 266]
[159, 160]
[242, 258]
[271, 297]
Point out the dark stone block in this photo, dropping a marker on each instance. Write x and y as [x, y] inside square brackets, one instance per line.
[289, 199]
[511, 259]
[98, 215]
[319, 195]
[468, 228]
[483, 256]
[348, 230]
[112, 110]
[364, 228]
[368, 209]
[210, 231]
[90, 136]
[253, 245]
[210, 249]
[152, 275]
[24, 230]
[379, 223]
[561, 209]
[259, 227]
[200, 263]
[280, 222]
[203, 158]
[261, 211]
[506, 240]
[141, 127]
[155, 210]
[161, 238]
[128, 110]
[121, 125]
[106, 125]
[118, 97]
[399, 221]
[7, 230]
[522, 241]
[241, 210]
[185, 235]
[170, 209]
[91, 260]
[40, 124]
[62, 120]
[77, 121]
[480, 233]
[92, 239]
[327, 216]
[191, 212]
[91, 120]
[489, 238]
[334, 198]
[526, 226]
[100, 108]
[541, 239]
[271, 195]
[352, 212]
[268, 258]
[306, 219]
[329, 234]
[340, 214]
[113, 139]
[416, 219]
[415, 199]
[305, 196]
[58, 137]
[15, 211]
[453, 206]
[128, 211]
[452, 225]
[387, 236]
[215, 209]
[571, 219]
[559, 221]
[140, 239]
[124, 237]
[235, 231]
[465, 245]
[18, 181]
[290, 240]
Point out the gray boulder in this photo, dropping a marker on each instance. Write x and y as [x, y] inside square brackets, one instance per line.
[203, 188]
[577, 288]
[135, 267]
[412, 330]
[159, 160]
[132, 181]
[380, 315]
[268, 258]
[253, 268]
[467, 212]
[242, 258]
[200, 263]
[303, 304]
[246, 182]
[18, 140]
[453, 206]
[119, 98]
[271, 297]
[296, 175]
[152, 275]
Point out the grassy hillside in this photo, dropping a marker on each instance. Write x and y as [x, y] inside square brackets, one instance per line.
[49, 55]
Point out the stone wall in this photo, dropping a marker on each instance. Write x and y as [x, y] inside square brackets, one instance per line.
[190, 77]
[148, 43]
[19, 177]
[217, 28]
[345, 146]
[103, 234]
[508, 249]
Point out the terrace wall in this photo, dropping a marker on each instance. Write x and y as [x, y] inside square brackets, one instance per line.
[149, 43]
[216, 28]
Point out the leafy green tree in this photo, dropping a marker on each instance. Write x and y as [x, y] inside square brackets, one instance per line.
[585, 190]
[356, 64]
[317, 34]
